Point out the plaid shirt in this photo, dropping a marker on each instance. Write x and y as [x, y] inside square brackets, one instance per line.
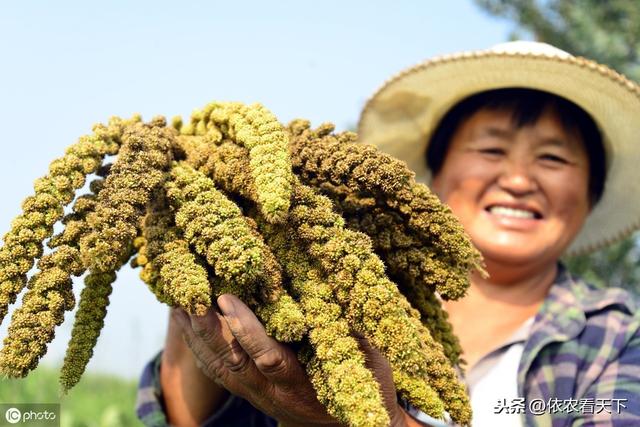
[583, 353]
[580, 366]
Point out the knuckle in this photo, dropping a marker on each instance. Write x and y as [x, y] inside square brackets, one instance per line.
[236, 360]
[203, 332]
[213, 368]
[271, 361]
[237, 363]
[206, 335]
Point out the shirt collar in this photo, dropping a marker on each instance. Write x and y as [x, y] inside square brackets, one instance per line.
[569, 294]
[563, 314]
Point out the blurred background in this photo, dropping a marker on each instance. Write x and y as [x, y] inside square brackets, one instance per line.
[67, 65]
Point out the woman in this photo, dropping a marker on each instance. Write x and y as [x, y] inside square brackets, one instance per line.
[520, 141]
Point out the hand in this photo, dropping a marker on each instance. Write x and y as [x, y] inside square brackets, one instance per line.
[190, 396]
[235, 351]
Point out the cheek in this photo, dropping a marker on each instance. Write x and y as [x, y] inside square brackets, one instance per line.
[462, 182]
[462, 193]
[570, 196]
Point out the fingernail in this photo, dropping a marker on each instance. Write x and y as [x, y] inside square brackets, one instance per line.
[226, 306]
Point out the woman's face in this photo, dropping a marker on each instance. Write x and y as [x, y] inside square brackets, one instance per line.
[521, 194]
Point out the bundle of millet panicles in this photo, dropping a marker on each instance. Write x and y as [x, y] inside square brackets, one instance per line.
[326, 239]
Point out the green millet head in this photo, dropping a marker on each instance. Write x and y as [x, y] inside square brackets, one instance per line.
[442, 377]
[75, 222]
[33, 323]
[340, 389]
[214, 226]
[324, 156]
[45, 207]
[343, 382]
[409, 256]
[157, 229]
[356, 394]
[283, 319]
[436, 320]
[142, 165]
[427, 215]
[185, 281]
[257, 129]
[228, 164]
[320, 158]
[176, 123]
[302, 224]
[419, 393]
[371, 302]
[170, 269]
[89, 321]
[281, 314]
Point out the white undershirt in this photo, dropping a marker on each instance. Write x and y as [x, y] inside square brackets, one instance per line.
[498, 382]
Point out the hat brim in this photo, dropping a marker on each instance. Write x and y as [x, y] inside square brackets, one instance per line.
[401, 115]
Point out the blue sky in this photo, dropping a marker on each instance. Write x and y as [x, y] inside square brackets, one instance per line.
[69, 64]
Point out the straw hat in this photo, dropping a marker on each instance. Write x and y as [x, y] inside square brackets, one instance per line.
[401, 115]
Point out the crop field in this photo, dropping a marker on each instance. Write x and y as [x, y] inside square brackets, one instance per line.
[97, 401]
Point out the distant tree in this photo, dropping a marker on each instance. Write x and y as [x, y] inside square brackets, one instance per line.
[607, 31]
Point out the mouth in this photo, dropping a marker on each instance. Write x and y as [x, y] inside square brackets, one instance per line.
[514, 211]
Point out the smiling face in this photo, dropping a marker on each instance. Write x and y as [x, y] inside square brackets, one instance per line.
[520, 192]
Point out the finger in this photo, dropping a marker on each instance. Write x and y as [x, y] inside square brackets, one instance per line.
[197, 345]
[210, 329]
[215, 348]
[223, 359]
[374, 359]
[238, 372]
[381, 369]
[275, 361]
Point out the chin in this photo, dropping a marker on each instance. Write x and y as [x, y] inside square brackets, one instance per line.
[517, 254]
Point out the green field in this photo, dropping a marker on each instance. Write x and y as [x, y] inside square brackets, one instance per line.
[97, 400]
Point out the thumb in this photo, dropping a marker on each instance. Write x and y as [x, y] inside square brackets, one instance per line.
[381, 369]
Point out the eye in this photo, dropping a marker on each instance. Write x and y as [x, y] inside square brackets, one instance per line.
[554, 158]
[492, 151]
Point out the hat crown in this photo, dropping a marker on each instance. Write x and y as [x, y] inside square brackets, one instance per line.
[529, 48]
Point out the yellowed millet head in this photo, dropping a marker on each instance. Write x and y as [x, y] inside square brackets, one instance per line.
[305, 225]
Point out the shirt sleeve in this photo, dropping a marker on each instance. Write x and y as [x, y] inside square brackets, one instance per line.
[614, 400]
[235, 412]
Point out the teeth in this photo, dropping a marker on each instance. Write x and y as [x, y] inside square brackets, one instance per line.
[514, 213]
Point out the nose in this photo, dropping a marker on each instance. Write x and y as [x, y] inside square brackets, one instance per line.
[517, 177]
